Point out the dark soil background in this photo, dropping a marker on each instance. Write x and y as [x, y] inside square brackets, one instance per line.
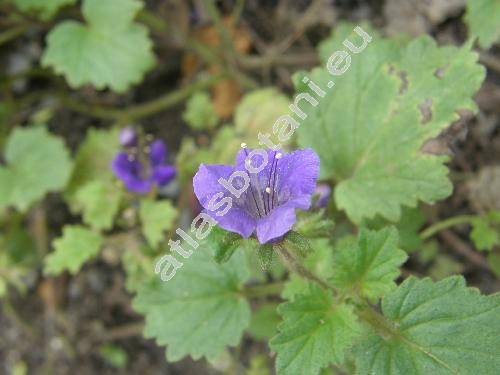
[58, 326]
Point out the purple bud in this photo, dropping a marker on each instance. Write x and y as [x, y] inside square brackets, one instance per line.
[128, 137]
[323, 191]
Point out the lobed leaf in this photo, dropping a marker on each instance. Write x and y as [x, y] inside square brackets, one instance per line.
[314, 333]
[37, 163]
[109, 51]
[370, 267]
[483, 19]
[156, 217]
[434, 328]
[76, 246]
[369, 128]
[200, 311]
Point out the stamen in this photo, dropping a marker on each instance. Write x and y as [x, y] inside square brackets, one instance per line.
[243, 145]
[269, 199]
[278, 156]
[268, 190]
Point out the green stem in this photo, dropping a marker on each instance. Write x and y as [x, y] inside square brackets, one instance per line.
[141, 110]
[294, 266]
[264, 290]
[10, 34]
[447, 223]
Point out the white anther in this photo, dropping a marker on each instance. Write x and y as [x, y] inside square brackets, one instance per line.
[243, 145]
[268, 190]
[279, 155]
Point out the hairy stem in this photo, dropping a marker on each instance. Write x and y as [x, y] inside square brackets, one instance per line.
[447, 223]
[294, 266]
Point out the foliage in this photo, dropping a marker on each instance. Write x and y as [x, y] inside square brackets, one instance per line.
[483, 19]
[205, 309]
[324, 288]
[314, 333]
[486, 231]
[437, 328]
[389, 84]
[156, 217]
[120, 49]
[77, 245]
[37, 163]
[200, 113]
[370, 267]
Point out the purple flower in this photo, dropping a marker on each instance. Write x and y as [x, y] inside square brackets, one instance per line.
[267, 206]
[323, 191]
[128, 137]
[139, 177]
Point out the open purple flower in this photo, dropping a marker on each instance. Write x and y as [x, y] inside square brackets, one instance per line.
[140, 177]
[267, 205]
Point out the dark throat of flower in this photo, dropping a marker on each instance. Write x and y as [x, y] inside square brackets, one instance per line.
[264, 198]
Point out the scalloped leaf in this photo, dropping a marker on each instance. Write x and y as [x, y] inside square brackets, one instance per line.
[37, 163]
[369, 128]
[200, 311]
[433, 328]
[483, 19]
[108, 51]
[370, 267]
[314, 333]
[76, 246]
[156, 217]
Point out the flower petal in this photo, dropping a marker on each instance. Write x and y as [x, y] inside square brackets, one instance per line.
[129, 172]
[276, 224]
[235, 220]
[157, 153]
[206, 184]
[298, 173]
[162, 175]
[128, 137]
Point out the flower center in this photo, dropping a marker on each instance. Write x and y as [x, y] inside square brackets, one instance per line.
[262, 196]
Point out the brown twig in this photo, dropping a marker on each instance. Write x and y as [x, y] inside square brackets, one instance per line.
[461, 248]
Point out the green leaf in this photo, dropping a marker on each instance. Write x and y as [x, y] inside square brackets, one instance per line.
[434, 328]
[99, 203]
[156, 217]
[314, 334]
[114, 355]
[370, 267]
[264, 322]
[200, 310]
[200, 113]
[257, 112]
[44, 9]
[109, 51]
[76, 246]
[37, 163]
[483, 19]
[485, 234]
[408, 226]
[92, 162]
[369, 128]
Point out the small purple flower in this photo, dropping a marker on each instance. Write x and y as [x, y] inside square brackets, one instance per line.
[128, 137]
[323, 191]
[267, 206]
[139, 177]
